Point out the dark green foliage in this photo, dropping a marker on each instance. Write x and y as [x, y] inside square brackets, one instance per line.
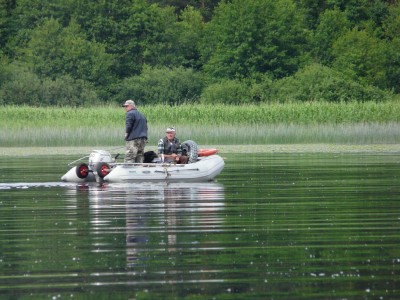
[362, 56]
[312, 10]
[358, 11]
[206, 7]
[5, 20]
[391, 34]
[392, 66]
[190, 34]
[161, 85]
[332, 24]
[65, 91]
[55, 50]
[158, 36]
[20, 87]
[238, 91]
[23, 87]
[175, 51]
[319, 83]
[114, 24]
[247, 38]
[391, 25]
[226, 91]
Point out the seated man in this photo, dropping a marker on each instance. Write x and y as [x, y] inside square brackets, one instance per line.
[169, 148]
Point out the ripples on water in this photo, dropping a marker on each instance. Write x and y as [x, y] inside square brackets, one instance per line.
[300, 226]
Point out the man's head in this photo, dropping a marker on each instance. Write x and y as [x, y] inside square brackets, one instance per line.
[129, 104]
[170, 132]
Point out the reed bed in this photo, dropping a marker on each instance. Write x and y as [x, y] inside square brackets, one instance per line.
[313, 122]
[358, 133]
[274, 113]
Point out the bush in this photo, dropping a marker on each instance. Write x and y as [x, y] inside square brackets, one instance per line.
[67, 91]
[226, 92]
[162, 86]
[23, 87]
[319, 83]
[261, 91]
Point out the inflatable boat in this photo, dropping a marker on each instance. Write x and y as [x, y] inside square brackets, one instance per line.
[204, 165]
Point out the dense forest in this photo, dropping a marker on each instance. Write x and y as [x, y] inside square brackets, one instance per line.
[83, 52]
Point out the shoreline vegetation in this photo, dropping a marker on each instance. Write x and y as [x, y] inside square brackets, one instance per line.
[353, 123]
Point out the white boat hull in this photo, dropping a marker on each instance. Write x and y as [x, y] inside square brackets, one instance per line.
[71, 176]
[205, 169]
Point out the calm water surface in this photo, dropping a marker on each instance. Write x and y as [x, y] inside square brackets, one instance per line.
[273, 226]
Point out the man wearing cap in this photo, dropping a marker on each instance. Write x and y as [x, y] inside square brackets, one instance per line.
[135, 133]
[169, 148]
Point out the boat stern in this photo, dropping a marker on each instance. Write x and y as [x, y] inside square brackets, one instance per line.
[71, 176]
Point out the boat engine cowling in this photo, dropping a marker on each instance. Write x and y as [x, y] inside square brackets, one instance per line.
[86, 172]
[98, 157]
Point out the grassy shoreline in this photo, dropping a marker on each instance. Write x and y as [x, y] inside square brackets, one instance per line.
[223, 149]
[267, 134]
[264, 124]
[218, 114]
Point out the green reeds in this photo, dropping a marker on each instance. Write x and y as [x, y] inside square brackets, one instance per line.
[274, 113]
[312, 122]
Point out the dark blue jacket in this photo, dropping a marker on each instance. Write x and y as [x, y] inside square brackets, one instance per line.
[136, 125]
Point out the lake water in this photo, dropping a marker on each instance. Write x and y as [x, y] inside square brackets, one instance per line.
[272, 226]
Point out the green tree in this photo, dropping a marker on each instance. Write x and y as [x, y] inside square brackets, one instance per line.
[319, 83]
[312, 10]
[158, 36]
[26, 15]
[358, 11]
[53, 51]
[66, 91]
[206, 7]
[6, 7]
[391, 25]
[227, 91]
[391, 34]
[19, 85]
[31, 13]
[190, 33]
[162, 85]
[134, 32]
[95, 45]
[251, 37]
[108, 23]
[361, 56]
[332, 24]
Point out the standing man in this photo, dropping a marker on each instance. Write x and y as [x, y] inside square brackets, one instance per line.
[135, 133]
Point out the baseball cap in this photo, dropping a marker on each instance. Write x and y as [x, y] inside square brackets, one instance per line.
[170, 129]
[129, 102]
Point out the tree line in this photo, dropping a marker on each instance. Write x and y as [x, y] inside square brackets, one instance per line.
[77, 52]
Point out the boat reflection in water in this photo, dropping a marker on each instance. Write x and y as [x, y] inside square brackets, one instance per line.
[155, 218]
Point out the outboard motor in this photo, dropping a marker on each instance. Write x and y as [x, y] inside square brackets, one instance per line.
[100, 163]
[96, 170]
[98, 157]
